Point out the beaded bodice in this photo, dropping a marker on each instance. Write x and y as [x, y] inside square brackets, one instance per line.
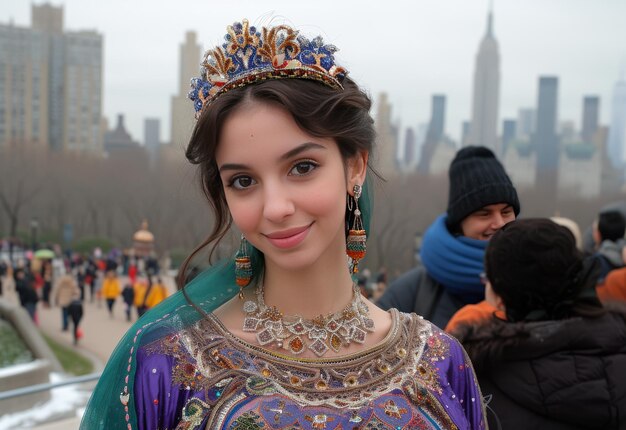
[398, 383]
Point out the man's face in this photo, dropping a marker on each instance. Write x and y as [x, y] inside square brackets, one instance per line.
[483, 223]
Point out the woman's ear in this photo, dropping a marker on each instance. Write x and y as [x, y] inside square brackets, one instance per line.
[357, 169]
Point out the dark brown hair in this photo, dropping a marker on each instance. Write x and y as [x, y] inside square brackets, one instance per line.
[537, 270]
[319, 110]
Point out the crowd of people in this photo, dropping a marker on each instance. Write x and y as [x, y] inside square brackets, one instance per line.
[68, 281]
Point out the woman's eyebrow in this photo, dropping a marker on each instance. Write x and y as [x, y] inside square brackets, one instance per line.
[286, 156]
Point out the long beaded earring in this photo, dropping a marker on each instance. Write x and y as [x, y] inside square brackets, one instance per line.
[243, 266]
[357, 237]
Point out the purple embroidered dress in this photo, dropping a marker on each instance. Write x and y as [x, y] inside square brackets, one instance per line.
[203, 377]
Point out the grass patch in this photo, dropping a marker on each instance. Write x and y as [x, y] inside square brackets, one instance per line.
[72, 361]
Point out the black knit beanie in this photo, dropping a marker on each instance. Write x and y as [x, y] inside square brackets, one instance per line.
[477, 179]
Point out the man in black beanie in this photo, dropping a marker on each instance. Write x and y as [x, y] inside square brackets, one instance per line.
[481, 200]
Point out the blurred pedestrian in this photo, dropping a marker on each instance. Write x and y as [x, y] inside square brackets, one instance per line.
[65, 289]
[25, 288]
[140, 287]
[46, 275]
[111, 290]
[128, 294]
[75, 311]
[3, 273]
[155, 293]
[608, 235]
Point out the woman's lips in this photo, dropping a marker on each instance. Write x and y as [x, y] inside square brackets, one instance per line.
[288, 238]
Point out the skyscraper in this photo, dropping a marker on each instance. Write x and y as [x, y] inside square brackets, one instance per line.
[182, 109]
[435, 134]
[23, 87]
[545, 139]
[410, 148]
[526, 124]
[387, 147]
[509, 131]
[151, 132]
[53, 82]
[591, 106]
[484, 123]
[617, 128]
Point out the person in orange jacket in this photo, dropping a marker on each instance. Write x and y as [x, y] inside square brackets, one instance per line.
[111, 290]
[156, 293]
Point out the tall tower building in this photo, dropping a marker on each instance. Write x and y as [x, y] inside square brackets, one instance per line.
[591, 108]
[23, 87]
[51, 84]
[151, 132]
[152, 139]
[387, 147]
[435, 134]
[617, 128]
[182, 108]
[410, 148]
[484, 123]
[509, 131]
[545, 139]
[526, 124]
[82, 92]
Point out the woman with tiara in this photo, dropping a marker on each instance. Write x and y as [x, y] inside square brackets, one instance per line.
[279, 337]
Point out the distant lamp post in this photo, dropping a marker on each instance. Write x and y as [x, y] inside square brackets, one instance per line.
[34, 226]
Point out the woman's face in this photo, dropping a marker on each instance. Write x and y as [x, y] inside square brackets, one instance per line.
[285, 189]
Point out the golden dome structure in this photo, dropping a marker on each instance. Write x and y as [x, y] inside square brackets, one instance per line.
[143, 240]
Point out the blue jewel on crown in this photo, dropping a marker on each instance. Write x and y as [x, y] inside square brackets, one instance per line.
[248, 55]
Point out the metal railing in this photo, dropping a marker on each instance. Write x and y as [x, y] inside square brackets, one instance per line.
[31, 389]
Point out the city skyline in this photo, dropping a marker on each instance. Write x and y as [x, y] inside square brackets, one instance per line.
[563, 38]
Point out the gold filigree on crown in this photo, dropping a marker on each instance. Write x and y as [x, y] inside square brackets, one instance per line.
[249, 56]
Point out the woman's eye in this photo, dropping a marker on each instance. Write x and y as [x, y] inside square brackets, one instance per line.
[242, 182]
[303, 168]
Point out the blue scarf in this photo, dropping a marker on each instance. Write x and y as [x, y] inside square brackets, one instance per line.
[456, 262]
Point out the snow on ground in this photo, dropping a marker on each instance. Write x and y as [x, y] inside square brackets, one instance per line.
[65, 401]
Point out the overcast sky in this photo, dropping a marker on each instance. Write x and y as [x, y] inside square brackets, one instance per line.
[410, 49]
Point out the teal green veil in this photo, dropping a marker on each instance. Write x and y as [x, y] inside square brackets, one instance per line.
[207, 291]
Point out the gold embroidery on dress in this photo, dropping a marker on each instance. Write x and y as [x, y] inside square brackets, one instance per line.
[206, 354]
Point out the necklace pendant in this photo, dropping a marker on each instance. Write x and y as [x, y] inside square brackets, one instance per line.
[319, 347]
[264, 337]
[335, 342]
[296, 345]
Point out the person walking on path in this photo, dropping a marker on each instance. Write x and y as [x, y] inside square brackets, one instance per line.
[128, 294]
[155, 294]
[75, 311]
[25, 288]
[63, 293]
[111, 290]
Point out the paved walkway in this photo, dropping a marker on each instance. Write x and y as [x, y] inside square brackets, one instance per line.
[101, 334]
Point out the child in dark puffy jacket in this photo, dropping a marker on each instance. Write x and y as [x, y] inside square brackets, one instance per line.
[128, 294]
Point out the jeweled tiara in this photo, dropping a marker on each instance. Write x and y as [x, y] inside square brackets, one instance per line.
[249, 56]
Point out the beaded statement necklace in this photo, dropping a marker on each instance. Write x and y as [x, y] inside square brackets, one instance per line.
[296, 334]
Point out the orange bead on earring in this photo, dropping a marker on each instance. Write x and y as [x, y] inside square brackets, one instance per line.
[357, 236]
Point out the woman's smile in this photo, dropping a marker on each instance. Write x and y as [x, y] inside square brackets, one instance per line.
[289, 238]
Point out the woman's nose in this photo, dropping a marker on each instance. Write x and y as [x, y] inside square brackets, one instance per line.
[278, 203]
